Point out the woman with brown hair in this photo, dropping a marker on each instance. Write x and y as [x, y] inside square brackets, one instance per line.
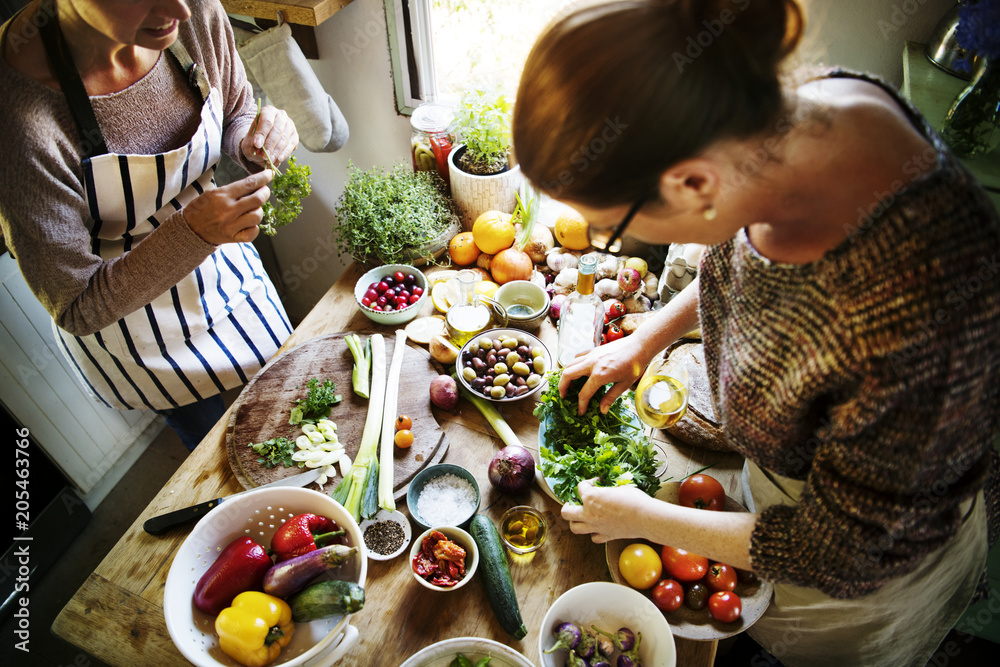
[848, 303]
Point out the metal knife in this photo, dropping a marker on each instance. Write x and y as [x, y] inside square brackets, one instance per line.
[164, 522]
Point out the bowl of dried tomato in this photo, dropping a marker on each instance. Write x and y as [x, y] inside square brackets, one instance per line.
[444, 558]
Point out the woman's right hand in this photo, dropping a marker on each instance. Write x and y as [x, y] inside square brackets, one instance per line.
[621, 361]
[230, 213]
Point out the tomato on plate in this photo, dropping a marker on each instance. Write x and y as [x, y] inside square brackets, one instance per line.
[683, 565]
[725, 606]
[668, 595]
[696, 596]
[720, 577]
[702, 492]
[640, 565]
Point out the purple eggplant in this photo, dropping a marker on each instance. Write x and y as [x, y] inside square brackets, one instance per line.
[605, 647]
[567, 636]
[587, 646]
[573, 660]
[630, 658]
[601, 662]
[290, 576]
[623, 640]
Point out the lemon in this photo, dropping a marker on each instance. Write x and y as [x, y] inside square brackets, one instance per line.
[439, 296]
[442, 276]
[486, 288]
[453, 291]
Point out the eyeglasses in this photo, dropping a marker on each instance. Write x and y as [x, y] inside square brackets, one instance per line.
[622, 226]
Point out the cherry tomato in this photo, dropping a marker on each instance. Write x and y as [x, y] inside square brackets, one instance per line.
[403, 422]
[720, 577]
[403, 438]
[683, 565]
[746, 577]
[614, 332]
[725, 606]
[696, 596]
[702, 492]
[668, 595]
[613, 309]
[640, 565]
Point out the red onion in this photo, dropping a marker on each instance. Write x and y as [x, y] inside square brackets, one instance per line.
[512, 469]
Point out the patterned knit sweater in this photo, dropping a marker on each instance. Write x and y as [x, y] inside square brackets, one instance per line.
[873, 374]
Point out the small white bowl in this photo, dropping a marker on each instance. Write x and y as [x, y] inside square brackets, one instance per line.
[442, 653]
[393, 316]
[529, 340]
[609, 607]
[396, 517]
[462, 539]
[526, 304]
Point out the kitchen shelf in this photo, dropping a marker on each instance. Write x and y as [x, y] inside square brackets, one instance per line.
[301, 12]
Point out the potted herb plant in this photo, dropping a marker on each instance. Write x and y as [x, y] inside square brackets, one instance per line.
[394, 217]
[482, 178]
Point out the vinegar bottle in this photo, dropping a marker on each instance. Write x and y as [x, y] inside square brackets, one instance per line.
[582, 316]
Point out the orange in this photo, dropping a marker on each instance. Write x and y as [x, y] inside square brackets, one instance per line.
[463, 249]
[493, 231]
[571, 230]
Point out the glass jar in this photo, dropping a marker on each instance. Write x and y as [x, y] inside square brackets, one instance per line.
[432, 138]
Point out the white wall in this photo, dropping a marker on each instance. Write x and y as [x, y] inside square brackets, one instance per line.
[354, 67]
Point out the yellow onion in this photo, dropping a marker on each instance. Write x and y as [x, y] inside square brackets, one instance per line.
[539, 243]
[511, 264]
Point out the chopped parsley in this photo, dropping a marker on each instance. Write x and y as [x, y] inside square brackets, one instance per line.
[317, 403]
[275, 451]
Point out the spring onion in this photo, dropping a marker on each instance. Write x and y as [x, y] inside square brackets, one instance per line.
[363, 473]
[492, 415]
[362, 363]
[385, 499]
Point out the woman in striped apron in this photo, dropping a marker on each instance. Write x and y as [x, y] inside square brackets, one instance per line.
[218, 324]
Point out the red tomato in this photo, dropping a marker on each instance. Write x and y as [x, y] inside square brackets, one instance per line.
[725, 606]
[702, 492]
[614, 332]
[668, 595]
[683, 565]
[613, 309]
[720, 577]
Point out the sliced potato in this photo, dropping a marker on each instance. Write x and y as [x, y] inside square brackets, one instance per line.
[423, 329]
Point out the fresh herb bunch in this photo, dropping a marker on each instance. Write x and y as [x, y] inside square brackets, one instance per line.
[609, 448]
[317, 403]
[482, 123]
[288, 189]
[384, 217]
[275, 451]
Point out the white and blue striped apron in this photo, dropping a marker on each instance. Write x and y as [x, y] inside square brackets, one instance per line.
[210, 332]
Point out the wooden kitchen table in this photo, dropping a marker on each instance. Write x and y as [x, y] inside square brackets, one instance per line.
[117, 615]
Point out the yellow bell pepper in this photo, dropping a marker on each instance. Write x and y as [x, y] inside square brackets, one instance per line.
[255, 628]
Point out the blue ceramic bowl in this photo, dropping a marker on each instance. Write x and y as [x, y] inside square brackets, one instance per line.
[422, 478]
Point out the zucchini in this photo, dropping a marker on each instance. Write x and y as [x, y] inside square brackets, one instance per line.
[496, 576]
[325, 599]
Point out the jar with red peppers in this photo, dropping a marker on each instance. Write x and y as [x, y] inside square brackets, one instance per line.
[432, 138]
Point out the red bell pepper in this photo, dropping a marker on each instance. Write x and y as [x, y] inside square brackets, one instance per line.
[302, 534]
[240, 567]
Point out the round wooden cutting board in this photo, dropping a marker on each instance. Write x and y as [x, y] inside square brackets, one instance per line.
[262, 409]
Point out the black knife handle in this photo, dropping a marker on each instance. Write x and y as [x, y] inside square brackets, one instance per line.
[158, 525]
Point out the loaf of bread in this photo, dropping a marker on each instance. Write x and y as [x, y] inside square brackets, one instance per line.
[699, 427]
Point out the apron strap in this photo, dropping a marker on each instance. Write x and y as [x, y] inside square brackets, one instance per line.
[72, 86]
[196, 75]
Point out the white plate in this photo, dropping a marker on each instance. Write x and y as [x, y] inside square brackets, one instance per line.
[442, 653]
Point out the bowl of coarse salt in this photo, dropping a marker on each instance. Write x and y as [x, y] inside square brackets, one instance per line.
[443, 495]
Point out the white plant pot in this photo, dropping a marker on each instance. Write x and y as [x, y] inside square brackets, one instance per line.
[474, 195]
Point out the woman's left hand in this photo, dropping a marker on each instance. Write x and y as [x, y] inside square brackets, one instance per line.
[606, 512]
[274, 131]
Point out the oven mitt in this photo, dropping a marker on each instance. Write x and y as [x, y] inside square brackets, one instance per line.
[275, 63]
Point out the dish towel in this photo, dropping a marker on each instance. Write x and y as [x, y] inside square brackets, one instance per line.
[276, 65]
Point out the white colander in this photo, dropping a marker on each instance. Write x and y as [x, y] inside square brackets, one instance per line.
[257, 514]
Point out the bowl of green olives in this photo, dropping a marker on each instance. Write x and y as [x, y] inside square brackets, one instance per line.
[504, 365]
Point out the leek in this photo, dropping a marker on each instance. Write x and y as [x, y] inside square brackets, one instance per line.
[351, 490]
[385, 482]
[362, 363]
[492, 415]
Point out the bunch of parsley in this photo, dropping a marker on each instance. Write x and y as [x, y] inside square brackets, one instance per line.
[609, 448]
[316, 404]
[275, 451]
[288, 189]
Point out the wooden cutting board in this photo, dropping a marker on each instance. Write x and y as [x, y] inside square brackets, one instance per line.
[262, 409]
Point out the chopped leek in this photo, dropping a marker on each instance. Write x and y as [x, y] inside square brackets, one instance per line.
[352, 489]
[385, 481]
[362, 363]
[492, 415]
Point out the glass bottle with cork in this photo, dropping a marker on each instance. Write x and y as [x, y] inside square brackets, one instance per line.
[582, 317]
[432, 139]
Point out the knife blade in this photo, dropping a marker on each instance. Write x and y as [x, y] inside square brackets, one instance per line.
[158, 525]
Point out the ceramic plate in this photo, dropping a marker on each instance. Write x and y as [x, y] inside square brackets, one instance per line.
[689, 623]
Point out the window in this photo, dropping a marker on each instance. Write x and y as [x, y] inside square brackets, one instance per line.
[441, 48]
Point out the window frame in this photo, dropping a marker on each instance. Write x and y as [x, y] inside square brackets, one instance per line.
[411, 51]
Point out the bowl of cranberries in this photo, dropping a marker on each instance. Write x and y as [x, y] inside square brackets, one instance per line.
[391, 294]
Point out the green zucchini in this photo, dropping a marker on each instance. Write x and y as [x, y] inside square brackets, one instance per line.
[325, 599]
[496, 576]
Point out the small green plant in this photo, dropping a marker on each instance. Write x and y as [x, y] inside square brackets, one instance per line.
[386, 217]
[483, 124]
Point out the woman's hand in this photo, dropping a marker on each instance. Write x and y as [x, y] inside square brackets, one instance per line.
[274, 131]
[621, 361]
[607, 513]
[231, 213]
